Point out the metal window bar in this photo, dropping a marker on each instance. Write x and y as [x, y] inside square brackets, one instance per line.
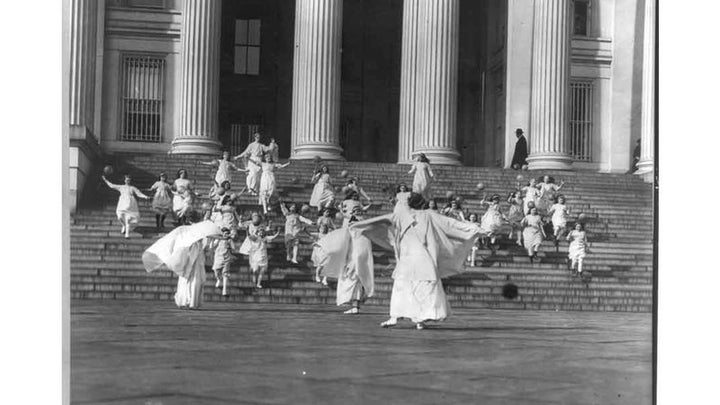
[241, 135]
[581, 120]
[247, 47]
[143, 87]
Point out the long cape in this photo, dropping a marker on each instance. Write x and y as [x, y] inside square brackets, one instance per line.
[338, 249]
[172, 251]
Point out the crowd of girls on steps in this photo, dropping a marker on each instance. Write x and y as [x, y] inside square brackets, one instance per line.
[531, 213]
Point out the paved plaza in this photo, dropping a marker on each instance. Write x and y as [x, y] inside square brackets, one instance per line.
[144, 352]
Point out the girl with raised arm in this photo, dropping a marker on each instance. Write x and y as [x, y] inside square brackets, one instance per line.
[352, 184]
[453, 210]
[533, 233]
[127, 209]
[547, 188]
[532, 194]
[223, 246]
[493, 220]
[253, 153]
[423, 176]
[162, 200]
[267, 181]
[322, 195]
[351, 204]
[559, 213]
[293, 226]
[224, 166]
[258, 254]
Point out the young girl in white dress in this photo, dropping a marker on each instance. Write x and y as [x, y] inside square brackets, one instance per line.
[223, 257]
[533, 233]
[317, 255]
[559, 213]
[473, 219]
[127, 209]
[293, 226]
[352, 185]
[224, 166]
[325, 219]
[515, 216]
[423, 176]
[258, 256]
[162, 200]
[493, 220]
[547, 188]
[182, 197]
[351, 204]
[227, 216]
[322, 195]
[274, 150]
[267, 181]
[578, 247]
[251, 228]
[401, 198]
[532, 194]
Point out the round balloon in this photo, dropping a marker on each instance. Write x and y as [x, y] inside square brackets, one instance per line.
[344, 173]
[525, 167]
[480, 186]
[305, 209]
[520, 177]
[108, 170]
[205, 206]
[449, 194]
[339, 216]
[582, 217]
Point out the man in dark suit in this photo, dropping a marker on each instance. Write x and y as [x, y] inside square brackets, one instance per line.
[521, 152]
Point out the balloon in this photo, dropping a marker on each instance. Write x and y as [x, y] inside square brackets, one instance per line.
[480, 186]
[525, 167]
[344, 173]
[305, 209]
[520, 177]
[449, 194]
[205, 206]
[108, 170]
[339, 216]
[582, 217]
[459, 199]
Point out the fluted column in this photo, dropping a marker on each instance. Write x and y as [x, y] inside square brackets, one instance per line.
[408, 80]
[83, 43]
[549, 123]
[436, 113]
[316, 80]
[199, 83]
[646, 164]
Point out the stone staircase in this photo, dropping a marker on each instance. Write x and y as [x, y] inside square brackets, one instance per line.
[619, 267]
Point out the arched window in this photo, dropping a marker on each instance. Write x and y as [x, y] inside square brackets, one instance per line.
[581, 18]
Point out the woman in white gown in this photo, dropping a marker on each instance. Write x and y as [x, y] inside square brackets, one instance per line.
[182, 252]
[225, 167]
[127, 209]
[253, 153]
[423, 176]
[267, 181]
[548, 189]
[428, 246]
[533, 233]
[183, 196]
[322, 195]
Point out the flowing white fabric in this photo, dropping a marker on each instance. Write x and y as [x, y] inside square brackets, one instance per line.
[267, 182]
[223, 172]
[421, 181]
[322, 193]
[181, 251]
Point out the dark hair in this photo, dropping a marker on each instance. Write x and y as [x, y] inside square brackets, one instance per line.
[127, 176]
[495, 197]
[558, 197]
[424, 158]
[180, 171]
[224, 229]
[225, 200]
[225, 151]
[399, 186]
[551, 179]
[161, 175]
[224, 183]
[433, 201]
[350, 194]
[417, 202]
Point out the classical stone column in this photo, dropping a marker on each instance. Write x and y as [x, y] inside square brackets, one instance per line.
[646, 165]
[549, 123]
[199, 83]
[408, 80]
[83, 42]
[316, 80]
[436, 113]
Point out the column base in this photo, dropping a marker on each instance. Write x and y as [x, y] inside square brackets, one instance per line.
[549, 161]
[646, 171]
[445, 156]
[321, 150]
[195, 146]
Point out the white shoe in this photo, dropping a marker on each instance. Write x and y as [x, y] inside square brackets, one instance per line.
[352, 311]
[317, 279]
[218, 284]
[294, 261]
[324, 281]
[258, 286]
[122, 229]
[420, 326]
[389, 323]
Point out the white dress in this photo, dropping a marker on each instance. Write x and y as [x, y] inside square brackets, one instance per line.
[127, 206]
[547, 193]
[560, 215]
[578, 243]
[182, 252]
[258, 256]
[532, 233]
[223, 172]
[492, 221]
[401, 202]
[515, 214]
[322, 193]
[421, 181]
[531, 195]
[181, 204]
[346, 208]
[354, 284]
[247, 243]
[253, 153]
[267, 182]
[162, 200]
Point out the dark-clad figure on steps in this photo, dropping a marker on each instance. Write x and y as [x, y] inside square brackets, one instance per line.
[521, 152]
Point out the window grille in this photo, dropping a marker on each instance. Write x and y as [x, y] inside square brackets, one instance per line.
[143, 89]
[247, 47]
[581, 119]
[241, 135]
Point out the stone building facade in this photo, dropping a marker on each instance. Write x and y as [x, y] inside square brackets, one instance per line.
[364, 80]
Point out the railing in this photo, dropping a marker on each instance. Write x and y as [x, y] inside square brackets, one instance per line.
[241, 135]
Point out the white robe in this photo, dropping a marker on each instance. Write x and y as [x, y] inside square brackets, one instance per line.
[181, 251]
